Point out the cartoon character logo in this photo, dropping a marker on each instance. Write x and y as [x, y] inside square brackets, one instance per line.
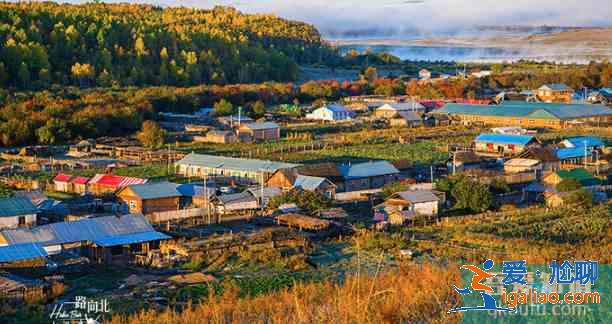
[489, 302]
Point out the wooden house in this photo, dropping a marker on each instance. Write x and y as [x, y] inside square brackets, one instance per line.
[150, 197]
[555, 92]
[287, 179]
[17, 212]
[368, 175]
[502, 144]
[520, 165]
[62, 183]
[406, 119]
[422, 202]
[266, 131]
[79, 184]
[546, 155]
[217, 136]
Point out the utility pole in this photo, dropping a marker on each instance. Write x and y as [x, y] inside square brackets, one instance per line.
[239, 115]
[261, 199]
[454, 162]
[585, 153]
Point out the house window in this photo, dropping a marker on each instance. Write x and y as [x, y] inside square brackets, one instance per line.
[22, 221]
[132, 204]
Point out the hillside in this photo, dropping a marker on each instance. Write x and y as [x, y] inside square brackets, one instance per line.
[124, 44]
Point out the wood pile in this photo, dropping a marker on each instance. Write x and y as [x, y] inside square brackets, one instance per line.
[302, 222]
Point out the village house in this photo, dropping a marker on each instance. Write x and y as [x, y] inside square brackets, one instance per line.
[545, 154]
[238, 203]
[393, 109]
[573, 151]
[500, 144]
[464, 160]
[61, 182]
[150, 197]
[585, 178]
[405, 205]
[101, 239]
[241, 170]
[331, 112]
[521, 165]
[287, 179]
[367, 175]
[406, 119]
[26, 255]
[235, 120]
[554, 92]
[102, 184]
[266, 131]
[17, 212]
[217, 136]
[528, 114]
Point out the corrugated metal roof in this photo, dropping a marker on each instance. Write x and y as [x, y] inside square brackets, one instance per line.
[19, 252]
[307, 182]
[236, 164]
[16, 206]
[581, 175]
[571, 152]
[260, 126]
[535, 110]
[90, 229]
[268, 192]
[403, 106]
[80, 180]
[367, 169]
[590, 141]
[155, 190]
[131, 239]
[237, 198]
[115, 181]
[418, 196]
[504, 139]
[556, 87]
[409, 115]
[336, 108]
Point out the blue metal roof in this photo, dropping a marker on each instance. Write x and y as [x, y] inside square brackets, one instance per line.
[336, 108]
[308, 182]
[19, 252]
[228, 163]
[591, 141]
[90, 229]
[16, 206]
[504, 139]
[571, 152]
[131, 239]
[367, 169]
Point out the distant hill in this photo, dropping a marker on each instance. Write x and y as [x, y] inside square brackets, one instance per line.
[124, 44]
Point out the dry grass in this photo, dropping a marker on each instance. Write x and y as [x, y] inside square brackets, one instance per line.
[414, 294]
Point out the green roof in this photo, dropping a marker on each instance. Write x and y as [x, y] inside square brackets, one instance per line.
[16, 207]
[535, 110]
[581, 175]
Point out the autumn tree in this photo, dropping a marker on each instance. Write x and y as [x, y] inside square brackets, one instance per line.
[151, 135]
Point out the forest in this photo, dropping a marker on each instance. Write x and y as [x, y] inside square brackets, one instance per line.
[103, 45]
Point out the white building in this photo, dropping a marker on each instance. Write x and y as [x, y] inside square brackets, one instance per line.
[333, 112]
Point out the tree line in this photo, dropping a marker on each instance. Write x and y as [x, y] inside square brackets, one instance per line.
[105, 45]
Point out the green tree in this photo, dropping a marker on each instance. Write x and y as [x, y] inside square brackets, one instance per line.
[309, 201]
[259, 108]
[53, 132]
[223, 108]
[579, 198]
[24, 76]
[151, 135]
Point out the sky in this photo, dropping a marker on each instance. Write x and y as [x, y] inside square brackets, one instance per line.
[423, 15]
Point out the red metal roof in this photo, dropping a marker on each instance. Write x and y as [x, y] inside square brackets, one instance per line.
[62, 177]
[115, 181]
[80, 180]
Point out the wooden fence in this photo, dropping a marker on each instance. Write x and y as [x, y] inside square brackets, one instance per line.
[176, 215]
